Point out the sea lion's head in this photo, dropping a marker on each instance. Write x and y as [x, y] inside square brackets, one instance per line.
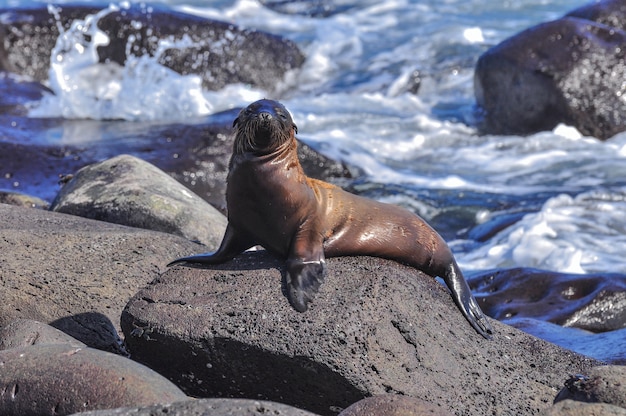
[262, 127]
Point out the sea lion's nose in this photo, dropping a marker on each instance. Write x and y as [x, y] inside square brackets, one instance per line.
[265, 116]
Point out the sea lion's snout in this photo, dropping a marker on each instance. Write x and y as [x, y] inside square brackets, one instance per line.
[263, 126]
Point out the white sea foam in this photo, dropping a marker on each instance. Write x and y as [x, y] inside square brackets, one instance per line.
[142, 89]
[581, 234]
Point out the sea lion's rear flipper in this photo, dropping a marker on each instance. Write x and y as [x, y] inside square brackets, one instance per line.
[233, 243]
[466, 302]
[302, 281]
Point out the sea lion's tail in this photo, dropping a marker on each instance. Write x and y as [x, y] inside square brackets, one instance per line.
[466, 302]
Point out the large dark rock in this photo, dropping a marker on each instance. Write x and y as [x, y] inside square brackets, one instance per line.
[219, 52]
[594, 302]
[129, 191]
[62, 379]
[196, 153]
[375, 327]
[570, 70]
[74, 273]
[206, 407]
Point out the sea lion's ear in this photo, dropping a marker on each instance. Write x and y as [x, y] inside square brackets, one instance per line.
[235, 121]
[295, 129]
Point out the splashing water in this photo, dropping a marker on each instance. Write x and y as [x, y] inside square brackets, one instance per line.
[141, 90]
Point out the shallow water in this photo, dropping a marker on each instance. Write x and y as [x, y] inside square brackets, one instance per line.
[555, 200]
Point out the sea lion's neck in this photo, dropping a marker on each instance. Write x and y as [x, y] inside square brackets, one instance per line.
[286, 153]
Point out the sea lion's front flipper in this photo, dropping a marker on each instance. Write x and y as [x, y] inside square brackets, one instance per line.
[232, 244]
[464, 299]
[303, 280]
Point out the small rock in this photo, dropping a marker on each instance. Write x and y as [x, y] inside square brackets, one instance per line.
[26, 332]
[129, 191]
[63, 379]
[206, 407]
[22, 200]
[393, 405]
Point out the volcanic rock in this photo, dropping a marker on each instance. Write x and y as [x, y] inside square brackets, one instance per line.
[129, 191]
[206, 407]
[375, 327]
[63, 379]
[565, 71]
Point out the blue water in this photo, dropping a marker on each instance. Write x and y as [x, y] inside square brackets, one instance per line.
[351, 102]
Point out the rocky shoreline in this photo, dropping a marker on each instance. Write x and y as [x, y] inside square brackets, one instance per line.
[378, 329]
[92, 320]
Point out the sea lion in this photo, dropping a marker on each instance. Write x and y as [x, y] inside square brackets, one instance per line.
[271, 202]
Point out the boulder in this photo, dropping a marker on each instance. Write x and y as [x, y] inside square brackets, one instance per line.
[129, 191]
[375, 327]
[565, 71]
[206, 407]
[74, 273]
[219, 52]
[62, 379]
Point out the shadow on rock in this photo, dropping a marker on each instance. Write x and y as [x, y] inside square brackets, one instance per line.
[93, 329]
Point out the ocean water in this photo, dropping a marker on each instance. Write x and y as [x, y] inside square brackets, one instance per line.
[356, 99]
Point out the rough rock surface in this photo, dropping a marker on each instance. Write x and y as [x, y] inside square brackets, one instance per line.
[566, 71]
[129, 191]
[573, 408]
[74, 273]
[393, 405]
[375, 327]
[63, 379]
[26, 332]
[206, 407]
[219, 52]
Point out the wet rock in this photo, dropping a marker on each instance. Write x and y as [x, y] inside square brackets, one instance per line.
[26, 332]
[313, 8]
[593, 302]
[607, 12]
[205, 407]
[375, 327]
[393, 405]
[63, 379]
[566, 71]
[219, 52]
[74, 273]
[196, 154]
[604, 384]
[129, 191]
